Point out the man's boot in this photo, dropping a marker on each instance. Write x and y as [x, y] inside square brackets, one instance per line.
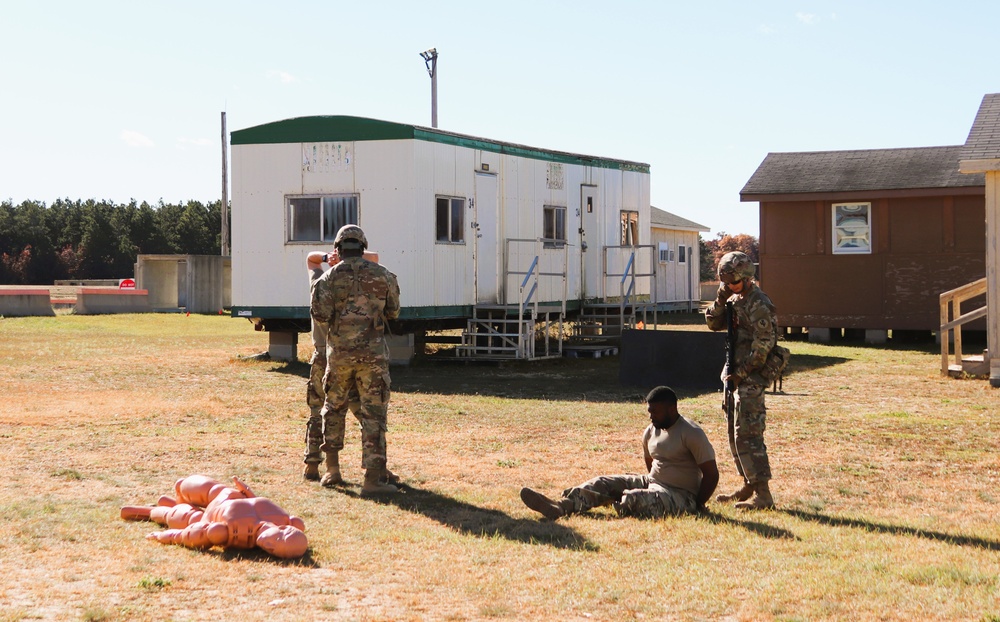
[546, 507]
[332, 476]
[375, 485]
[740, 495]
[388, 477]
[762, 499]
[311, 472]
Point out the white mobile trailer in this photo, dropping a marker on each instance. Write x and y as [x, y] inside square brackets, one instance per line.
[458, 219]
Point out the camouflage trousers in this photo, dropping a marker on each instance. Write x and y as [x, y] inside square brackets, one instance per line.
[315, 397]
[632, 495]
[746, 433]
[370, 382]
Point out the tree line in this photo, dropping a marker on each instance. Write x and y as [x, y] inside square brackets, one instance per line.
[91, 239]
[83, 240]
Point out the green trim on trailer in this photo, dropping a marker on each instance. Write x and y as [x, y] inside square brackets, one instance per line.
[346, 128]
[320, 129]
[302, 313]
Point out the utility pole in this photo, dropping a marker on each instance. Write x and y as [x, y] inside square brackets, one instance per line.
[431, 60]
[225, 191]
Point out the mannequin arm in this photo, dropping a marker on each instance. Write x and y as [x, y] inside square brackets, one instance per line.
[176, 516]
[240, 486]
[197, 536]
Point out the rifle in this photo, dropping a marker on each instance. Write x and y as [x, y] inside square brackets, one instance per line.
[729, 403]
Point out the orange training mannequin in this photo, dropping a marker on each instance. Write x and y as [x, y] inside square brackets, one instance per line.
[206, 513]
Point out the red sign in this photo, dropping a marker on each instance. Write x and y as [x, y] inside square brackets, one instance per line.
[127, 284]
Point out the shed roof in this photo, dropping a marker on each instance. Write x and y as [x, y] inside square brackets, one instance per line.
[347, 128]
[870, 171]
[663, 219]
[983, 142]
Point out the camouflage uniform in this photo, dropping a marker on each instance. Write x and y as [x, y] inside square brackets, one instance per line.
[315, 395]
[670, 488]
[756, 336]
[631, 495]
[354, 299]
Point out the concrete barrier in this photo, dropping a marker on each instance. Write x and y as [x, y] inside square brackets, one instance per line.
[95, 301]
[25, 302]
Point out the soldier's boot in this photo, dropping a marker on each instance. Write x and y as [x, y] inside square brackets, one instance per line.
[390, 478]
[375, 485]
[311, 472]
[546, 507]
[332, 476]
[762, 499]
[740, 495]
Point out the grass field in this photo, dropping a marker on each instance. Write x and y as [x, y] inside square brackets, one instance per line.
[886, 479]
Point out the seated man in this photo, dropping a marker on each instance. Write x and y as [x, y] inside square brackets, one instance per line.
[681, 464]
[207, 513]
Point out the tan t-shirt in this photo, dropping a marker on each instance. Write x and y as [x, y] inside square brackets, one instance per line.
[676, 453]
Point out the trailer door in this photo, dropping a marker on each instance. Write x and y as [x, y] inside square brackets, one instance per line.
[486, 248]
[590, 243]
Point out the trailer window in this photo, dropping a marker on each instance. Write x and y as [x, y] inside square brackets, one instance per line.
[852, 228]
[666, 255]
[319, 218]
[630, 228]
[554, 225]
[450, 219]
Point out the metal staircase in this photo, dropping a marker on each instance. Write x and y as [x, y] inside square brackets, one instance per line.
[605, 320]
[530, 329]
[522, 330]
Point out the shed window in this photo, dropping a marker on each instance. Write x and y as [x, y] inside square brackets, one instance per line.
[630, 228]
[450, 220]
[852, 228]
[681, 253]
[664, 252]
[554, 224]
[319, 218]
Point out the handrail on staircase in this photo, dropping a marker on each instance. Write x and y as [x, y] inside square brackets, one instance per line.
[524, 282]
[532, 276]
[631, 274]
[952, 318]
[628, 272]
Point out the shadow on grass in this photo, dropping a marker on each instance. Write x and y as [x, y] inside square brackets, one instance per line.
[761, 529]
[258, 555]
[563, 379]
[809, 362]
[482, 523]
[895, 530]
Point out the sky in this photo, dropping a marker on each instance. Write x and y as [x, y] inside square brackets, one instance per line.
[123, 100]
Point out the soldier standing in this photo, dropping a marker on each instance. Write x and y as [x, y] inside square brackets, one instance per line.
[355, 299]
[314, 386]
[315, 395]
[756, 336]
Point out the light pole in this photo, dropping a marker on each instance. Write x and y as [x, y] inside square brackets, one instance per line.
[431, 60]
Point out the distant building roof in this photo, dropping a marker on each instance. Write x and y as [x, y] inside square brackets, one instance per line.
[984, 137]
[665, 220]
[862, 171]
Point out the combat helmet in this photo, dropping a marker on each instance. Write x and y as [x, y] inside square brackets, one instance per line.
[736, 266]
[351, 236]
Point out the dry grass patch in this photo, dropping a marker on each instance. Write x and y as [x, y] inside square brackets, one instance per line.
[886, 480]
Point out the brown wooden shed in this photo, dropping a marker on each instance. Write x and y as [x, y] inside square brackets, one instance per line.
[866, 239]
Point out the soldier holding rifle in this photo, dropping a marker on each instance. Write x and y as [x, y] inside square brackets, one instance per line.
[753, 360]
